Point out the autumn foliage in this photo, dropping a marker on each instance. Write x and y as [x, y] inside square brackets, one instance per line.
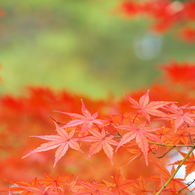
[99, 143]
[165, 15]
[111, 146]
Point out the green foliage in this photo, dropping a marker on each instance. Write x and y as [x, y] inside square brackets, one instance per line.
[71, 44]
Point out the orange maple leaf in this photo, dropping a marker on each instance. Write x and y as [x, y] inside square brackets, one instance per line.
[18, 187]
[102, 141]
[94, 188]
[141, 134]
[39, 189]
[58, 182]
[141, 187]
[147, 108]
[190, 165]
[121, 185]
[175, 185]
[179, 137]
[63, 141]
[179, 116]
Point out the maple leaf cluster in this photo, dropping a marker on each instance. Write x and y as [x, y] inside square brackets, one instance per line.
[165, 13]
[113, 147]
[153, 127]
[135, 131]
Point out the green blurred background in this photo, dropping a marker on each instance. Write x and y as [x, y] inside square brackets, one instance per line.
[83, 46]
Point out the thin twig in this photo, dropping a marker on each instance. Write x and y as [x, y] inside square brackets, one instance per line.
[177, 169]
[187, 185]
[135, 117]
[164, 153]
[169, 145]
[192, 141]
[119, 135]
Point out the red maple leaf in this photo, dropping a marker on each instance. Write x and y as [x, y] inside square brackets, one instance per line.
[102, 141]
[63, 141]
[188, 34]
[147, 108]
[141, 134]
[183, 73]
[86, 120]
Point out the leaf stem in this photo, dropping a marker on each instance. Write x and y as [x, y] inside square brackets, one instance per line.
[169, 145]
[177, 169]
[164, 153]
[187, 185]
[135, 117]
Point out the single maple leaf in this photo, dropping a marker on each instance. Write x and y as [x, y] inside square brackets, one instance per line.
[147, 108]
[102, 141]
[72, 187]
[123, 119]
[135, 153]
[179, 137]
[63, 141]
[164, 175]
[62, 185]
[141, 134]
[121, 185]
[191, 132]
[16, 187]
[164, 133]
[190, 163]
[58, 182]
[94, 188]
[141, 187]
[86, 120]
[179, 116]
[39, 189]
